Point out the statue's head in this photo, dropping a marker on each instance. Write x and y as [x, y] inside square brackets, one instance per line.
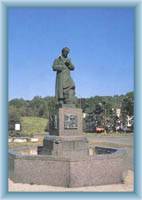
[65, 52]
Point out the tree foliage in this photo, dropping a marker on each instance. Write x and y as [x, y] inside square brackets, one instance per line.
[43, 107]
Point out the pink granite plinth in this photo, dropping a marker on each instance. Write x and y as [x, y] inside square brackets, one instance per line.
[64, 146]
[66, 138]
[64, 158]
[59, 128]
[68, 172]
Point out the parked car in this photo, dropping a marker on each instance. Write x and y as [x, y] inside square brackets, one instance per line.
[99, 129]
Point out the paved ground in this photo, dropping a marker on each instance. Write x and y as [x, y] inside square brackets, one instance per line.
[119, 141]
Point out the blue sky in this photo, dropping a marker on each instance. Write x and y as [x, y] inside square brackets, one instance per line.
[101, 42]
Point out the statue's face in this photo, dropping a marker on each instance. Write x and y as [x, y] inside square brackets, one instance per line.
[65, 53]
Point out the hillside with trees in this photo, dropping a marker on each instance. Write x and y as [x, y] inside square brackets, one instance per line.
[102, 108]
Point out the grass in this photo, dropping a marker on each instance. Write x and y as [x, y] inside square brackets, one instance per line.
[33, 125]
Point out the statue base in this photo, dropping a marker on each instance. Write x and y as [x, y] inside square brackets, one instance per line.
[66, 138]
[64, 146]
[66, 122]
[64, 158]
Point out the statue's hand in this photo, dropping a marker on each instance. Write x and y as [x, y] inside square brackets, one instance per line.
[67, 63]
[60, 68]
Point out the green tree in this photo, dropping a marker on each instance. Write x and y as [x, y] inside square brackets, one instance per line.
[14, 117]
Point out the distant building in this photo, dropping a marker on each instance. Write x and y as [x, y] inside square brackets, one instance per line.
[129, 121]
[17, 127]
[84, 115]
[118, 112]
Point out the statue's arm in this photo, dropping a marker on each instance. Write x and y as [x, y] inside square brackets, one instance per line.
[70, 65]
[57, 65]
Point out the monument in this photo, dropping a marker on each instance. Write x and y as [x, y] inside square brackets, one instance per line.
[64, 159]
[65, 127]
[65, 86]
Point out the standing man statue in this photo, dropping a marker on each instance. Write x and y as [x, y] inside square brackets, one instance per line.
[65, 87]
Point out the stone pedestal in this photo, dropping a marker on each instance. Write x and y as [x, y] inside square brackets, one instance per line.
[66, 122]
[64, 158]
[66, 138]
[64, 146]
[95, 170]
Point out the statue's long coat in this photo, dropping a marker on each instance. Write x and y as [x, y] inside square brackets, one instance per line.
[63, 78]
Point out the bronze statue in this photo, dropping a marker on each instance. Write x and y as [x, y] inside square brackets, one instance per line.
[65, 87]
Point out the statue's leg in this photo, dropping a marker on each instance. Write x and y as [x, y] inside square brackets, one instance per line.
[66, 96]
[71, 95]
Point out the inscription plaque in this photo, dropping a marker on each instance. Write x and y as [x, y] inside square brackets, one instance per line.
[70, 121]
